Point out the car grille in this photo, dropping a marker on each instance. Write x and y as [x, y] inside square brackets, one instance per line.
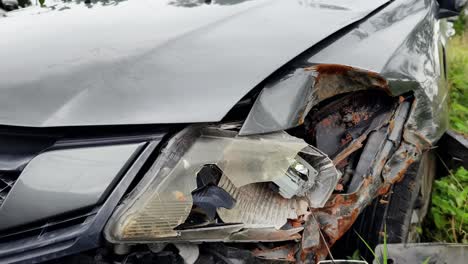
[40, 229]
[7, 179]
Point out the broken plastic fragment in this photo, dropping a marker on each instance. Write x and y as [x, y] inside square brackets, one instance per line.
[297, 177]
[165, 197]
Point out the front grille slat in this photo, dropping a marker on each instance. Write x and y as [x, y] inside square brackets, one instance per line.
[7, 180]
[37, 230]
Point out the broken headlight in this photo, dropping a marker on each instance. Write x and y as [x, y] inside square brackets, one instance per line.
[213, 179]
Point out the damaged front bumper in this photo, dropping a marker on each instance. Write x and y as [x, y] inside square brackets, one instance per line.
[211, 184]
[287, 195]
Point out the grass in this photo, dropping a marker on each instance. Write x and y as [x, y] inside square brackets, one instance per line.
[457, 58]
[448, 216]
[384, 256]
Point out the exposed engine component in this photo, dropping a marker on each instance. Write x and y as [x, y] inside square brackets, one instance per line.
[274, 188]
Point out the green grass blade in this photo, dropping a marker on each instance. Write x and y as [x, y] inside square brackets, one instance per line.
[426, 261]
[368, 247]
[385, 249]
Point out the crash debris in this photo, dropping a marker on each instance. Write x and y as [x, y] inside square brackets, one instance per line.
[285, 195]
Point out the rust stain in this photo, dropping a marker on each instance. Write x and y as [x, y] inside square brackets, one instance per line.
[362, 79]
[333, 69]
[284, 253]
[344, 223]
[391, 125]
[339, 214]
[402, 172]
[296, 222]
[356, 144]
[341, 199]
[384, 189]
[332, 233]
[342, 210]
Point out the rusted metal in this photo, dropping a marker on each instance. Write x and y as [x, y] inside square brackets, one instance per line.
[311, 234]
[266, 234]
[399, 163]
[340, 127]
[334, 79]
[282, 253]
[342, 209]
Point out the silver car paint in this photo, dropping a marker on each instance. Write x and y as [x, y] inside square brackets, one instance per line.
[413, 61]
[146, 61]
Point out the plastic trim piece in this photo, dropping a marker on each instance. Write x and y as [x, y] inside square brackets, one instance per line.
[59, 181]
[79, 238]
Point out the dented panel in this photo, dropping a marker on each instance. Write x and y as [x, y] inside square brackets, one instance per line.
[314, 217]
[294, 95]
[413, 62]
[177, 61]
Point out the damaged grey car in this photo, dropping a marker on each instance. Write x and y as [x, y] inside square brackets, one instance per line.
[219, 131]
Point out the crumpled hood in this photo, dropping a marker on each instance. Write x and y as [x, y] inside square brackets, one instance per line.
[150, 61]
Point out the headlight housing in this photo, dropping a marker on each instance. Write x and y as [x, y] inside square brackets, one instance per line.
[158, 209]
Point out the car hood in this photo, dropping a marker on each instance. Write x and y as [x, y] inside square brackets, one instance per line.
[148, 61]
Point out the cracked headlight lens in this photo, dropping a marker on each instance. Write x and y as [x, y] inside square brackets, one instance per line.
[163, 199]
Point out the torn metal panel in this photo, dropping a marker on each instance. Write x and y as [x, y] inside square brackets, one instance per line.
[357, 143]
[334, 79]
[311, 235]
[285, 103]
[415, 64]
[413, 61]
[399, 163]
[281, 105]
[341, 125]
